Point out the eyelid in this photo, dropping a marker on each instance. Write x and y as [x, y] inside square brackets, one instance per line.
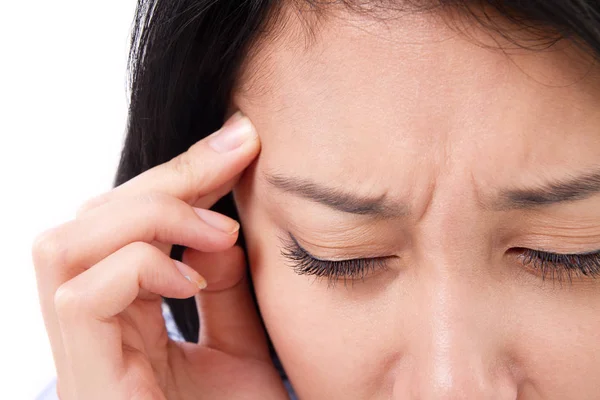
[309, 254]
[348, 270]
[559, 265]
[554, 253]
[556, 265]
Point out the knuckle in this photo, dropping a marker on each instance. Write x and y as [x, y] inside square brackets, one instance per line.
[182, 164]
[48, 248]
[189, 172]
[152, 204]
[152, 199]
[157, 205]
[144, 253]
[146, 259]
[90, 204]
[67, 301]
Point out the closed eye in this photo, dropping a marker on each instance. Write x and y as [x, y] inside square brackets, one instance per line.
[561, 266]
[348, 270]
[556, 266]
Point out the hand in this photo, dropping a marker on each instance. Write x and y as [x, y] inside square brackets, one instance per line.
[101, 277]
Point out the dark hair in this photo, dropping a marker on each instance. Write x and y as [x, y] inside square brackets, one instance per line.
[185, 56]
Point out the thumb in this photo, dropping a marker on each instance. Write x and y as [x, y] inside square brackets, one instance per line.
[229, 321]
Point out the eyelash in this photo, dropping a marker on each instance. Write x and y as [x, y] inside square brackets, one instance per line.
[561, 266]
[351, 270]
[557, 266]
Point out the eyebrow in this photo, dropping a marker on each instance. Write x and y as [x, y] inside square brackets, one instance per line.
[573, 189]
[337, 199]
[578, 188]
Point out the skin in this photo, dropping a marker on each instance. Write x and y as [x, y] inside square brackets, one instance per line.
[447, 132]
[441, 123]
[101, 276]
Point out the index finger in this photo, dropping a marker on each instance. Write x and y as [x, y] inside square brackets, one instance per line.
[206, 166]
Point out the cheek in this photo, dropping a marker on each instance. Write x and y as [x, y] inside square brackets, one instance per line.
[352, 343]
[324, 344]
[301, 326]
[554, 335]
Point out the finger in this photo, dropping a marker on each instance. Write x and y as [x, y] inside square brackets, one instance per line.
[228, 317]
[222, 269]
[80, 243]
[205, 202]
[208, 200]
[206, 166]
[64, 252]
[86, 307]
[164, 247]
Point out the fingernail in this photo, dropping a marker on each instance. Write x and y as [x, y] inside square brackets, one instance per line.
[201, 282]
[234, 117]
[237, 130]
[185, 270]
[218, 221]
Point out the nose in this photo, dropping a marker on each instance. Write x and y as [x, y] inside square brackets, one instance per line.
[455, 350]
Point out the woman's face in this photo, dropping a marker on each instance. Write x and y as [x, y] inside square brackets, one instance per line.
[453, 164]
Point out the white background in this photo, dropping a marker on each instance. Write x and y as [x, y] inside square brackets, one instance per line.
[63, 107]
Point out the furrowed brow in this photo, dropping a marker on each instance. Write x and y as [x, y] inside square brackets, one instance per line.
[577, 188]
[336, 198]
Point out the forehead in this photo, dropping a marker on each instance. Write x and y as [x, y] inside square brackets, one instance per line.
[413, 95]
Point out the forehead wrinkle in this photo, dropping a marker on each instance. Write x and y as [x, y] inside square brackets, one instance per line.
[275, 82]
[336, 198]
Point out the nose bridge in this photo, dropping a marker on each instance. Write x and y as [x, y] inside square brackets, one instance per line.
[451, 352]
[456, 351]
[451, 254]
